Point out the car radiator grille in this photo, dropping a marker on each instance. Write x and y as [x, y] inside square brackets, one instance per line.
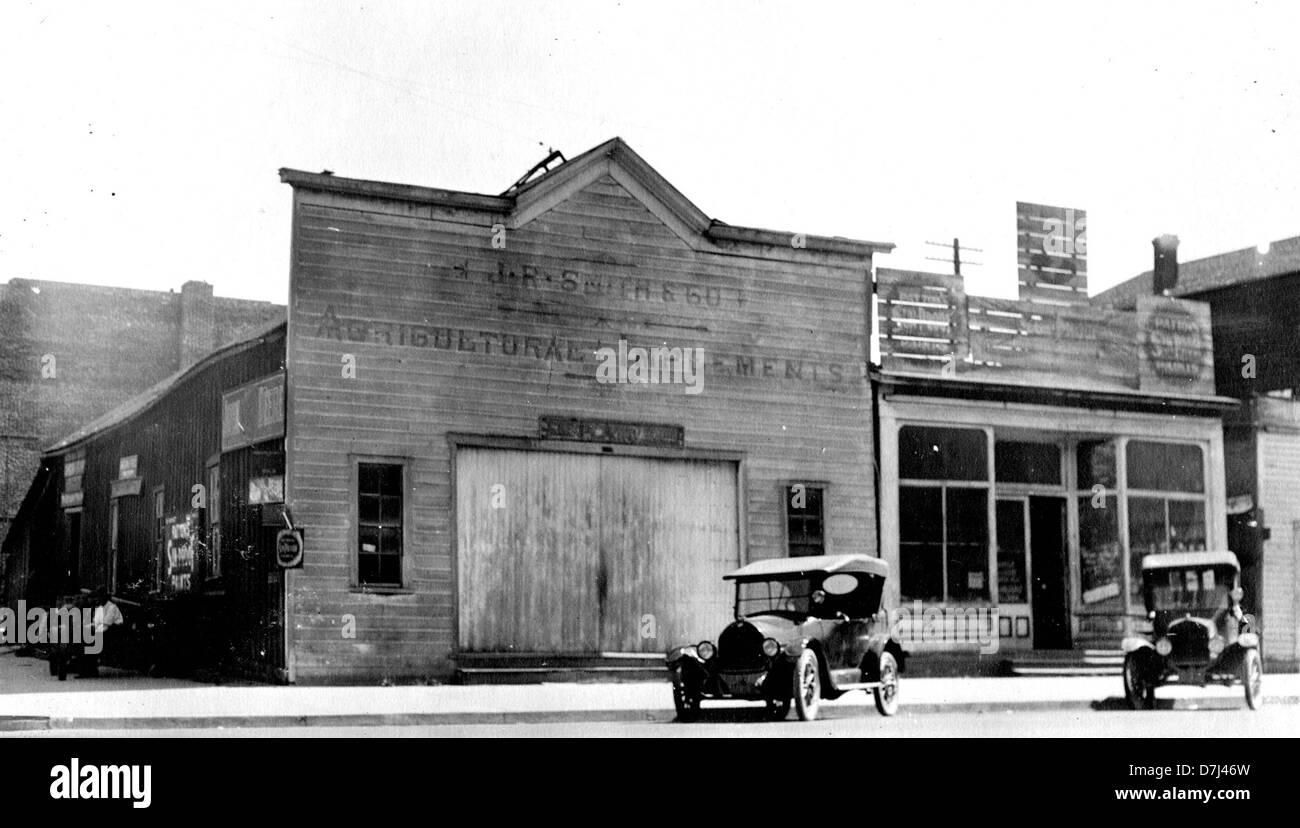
[740, 648]
[1190, 642]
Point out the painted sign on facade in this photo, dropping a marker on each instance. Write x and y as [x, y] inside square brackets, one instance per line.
[928, 324]
[182, 532]
[253, 413]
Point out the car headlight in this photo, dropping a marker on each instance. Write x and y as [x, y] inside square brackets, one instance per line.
[771, 647]
[706, 650]
[1216, 645]
[1164, 646]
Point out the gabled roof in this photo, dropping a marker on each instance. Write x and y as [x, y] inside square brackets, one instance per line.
[777, 567]
[615, 159]
[146, 399]
[1214, 272]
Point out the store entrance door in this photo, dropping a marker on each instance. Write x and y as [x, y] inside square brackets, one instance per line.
[1047, 546]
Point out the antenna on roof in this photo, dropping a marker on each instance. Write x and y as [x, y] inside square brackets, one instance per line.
[540, 168]
[956, 255]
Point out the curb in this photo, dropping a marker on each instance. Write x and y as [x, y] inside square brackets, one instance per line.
[664, 716]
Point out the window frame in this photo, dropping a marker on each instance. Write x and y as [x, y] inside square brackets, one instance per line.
[355, 462]
[1166, 497]
[158, 502]
[824, 488]
[114, 529]
[212, 470]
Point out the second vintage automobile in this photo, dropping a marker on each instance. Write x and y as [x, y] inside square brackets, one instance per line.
[1199, 634]
[805, 629]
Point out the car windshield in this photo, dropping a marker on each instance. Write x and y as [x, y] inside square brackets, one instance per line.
[1189, 589]
[785, 595]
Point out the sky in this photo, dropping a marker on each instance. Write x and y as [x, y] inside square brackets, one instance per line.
[140, 142]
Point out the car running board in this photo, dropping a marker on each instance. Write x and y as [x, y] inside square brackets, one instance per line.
[861, 685]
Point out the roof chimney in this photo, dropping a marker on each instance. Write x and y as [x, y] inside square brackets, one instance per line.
[1166, 264]
[197, 329]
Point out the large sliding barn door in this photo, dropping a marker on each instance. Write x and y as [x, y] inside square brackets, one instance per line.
[589, 553]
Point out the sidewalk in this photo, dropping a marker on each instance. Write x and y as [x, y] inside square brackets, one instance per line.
[30, 699]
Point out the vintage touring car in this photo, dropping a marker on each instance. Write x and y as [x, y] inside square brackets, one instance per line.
[805, 629]
[1199, 633]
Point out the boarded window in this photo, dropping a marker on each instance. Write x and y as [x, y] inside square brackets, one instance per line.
[379, 524]
[805, 520]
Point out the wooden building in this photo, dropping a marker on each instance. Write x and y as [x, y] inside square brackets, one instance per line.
[1033, 451]
[70, 353]
[488, 481]
[1254, 301]
[165, 500]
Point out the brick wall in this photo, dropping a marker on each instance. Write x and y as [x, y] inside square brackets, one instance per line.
[70, 352]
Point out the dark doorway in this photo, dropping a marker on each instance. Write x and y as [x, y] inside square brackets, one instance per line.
[72, 577]
[1047, 555]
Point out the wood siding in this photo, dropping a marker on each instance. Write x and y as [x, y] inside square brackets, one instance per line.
[173, 440]
[1279, 497]
[591, 553]
[451, 335]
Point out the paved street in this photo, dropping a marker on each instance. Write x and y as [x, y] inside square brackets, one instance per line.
[120, 703]
[1271, 722]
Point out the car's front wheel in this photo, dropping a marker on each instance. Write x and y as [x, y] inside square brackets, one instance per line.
[1252, 677]
[1139, 690]
[807, 690]
[887, 693]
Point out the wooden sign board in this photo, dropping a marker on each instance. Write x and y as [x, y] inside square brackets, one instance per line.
[253, 413]
[922, 320]
[611, 431]
[928, 324]
[1176, 349]
[1052, 253]
[1094, 342]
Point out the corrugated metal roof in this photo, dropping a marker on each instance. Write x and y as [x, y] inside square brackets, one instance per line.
[145, 400]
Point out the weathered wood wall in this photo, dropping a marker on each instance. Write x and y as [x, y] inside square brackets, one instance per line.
[452, 335]
[929, 324]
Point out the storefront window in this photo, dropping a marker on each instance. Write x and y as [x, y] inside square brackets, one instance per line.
[1174, 467]
[1100, 557]
[944, 543]
[920, 513]
[926, 453]
[1166, 507]
[1011, 553]
[1020, 462]
[1096, 462]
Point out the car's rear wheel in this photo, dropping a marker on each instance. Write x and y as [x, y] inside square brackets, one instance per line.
[685, 702]
[807, 689]
[1139, 690]
[887, 693]
[1252, 677]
